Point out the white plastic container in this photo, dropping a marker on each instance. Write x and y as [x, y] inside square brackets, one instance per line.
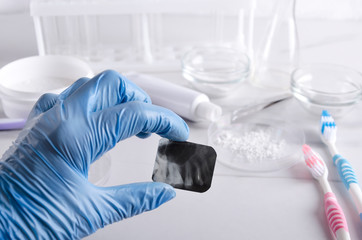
[23, 81]
[186, 102]
[135, 35]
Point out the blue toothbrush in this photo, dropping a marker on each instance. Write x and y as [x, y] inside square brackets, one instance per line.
[345, 170]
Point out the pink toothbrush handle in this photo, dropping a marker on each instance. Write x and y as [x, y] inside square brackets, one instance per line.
[335, 216]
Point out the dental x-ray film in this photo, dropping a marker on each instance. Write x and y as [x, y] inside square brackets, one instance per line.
[184, 165]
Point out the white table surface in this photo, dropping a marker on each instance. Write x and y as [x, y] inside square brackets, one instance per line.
[280, 205]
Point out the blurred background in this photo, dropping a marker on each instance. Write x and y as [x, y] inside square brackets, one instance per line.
[334, 21]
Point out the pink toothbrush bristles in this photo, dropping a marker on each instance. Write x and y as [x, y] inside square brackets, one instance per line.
[313, 161]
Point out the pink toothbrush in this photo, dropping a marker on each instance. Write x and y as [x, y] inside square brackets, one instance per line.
[335, 216]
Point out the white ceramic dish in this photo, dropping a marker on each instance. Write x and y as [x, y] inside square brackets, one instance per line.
[16, 108]
[23, 81]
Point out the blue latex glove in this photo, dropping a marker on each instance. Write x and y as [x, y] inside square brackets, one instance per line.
[44, 191]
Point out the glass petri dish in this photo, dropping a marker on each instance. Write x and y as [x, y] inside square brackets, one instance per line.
[331, 87]
[100, 170]
[216, 71]
[255, 145]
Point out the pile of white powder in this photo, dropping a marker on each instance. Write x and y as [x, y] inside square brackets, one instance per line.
[253, 146]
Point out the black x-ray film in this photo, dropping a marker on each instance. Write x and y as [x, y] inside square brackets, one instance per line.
[184, 165]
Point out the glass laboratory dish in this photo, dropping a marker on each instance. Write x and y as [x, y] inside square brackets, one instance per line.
[329, 87]
[216, 71]
[255, 145]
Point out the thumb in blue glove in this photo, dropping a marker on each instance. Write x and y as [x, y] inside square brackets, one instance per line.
[43, 176]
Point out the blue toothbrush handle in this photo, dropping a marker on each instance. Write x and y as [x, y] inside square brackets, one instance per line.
[348, 176]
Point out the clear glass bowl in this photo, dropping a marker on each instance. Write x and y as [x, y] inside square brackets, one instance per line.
[216, 71]
[257, 145]
[327, 87]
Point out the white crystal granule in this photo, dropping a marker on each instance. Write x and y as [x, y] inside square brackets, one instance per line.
[253, 146]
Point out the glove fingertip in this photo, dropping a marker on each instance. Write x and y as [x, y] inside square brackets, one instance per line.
[143, 135]
[155, 194]
[166, 192]
[132, 199]
[179, 132]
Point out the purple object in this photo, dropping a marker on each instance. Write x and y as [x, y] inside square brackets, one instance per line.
[12, 123]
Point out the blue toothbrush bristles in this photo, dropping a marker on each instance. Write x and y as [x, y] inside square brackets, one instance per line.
[325, 113]
[328, 127]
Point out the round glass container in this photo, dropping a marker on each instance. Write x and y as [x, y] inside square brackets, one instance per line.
[216, 71]
[257, 145]
[327, 87]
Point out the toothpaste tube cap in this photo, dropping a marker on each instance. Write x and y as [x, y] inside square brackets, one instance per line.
[208, 111]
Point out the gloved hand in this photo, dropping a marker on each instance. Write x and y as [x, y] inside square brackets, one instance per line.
[44, 191]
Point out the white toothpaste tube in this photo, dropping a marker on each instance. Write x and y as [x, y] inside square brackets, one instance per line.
[186, 102]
